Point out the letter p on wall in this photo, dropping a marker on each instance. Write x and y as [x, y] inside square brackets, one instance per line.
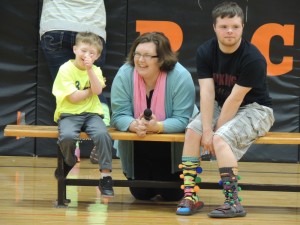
[170, 29]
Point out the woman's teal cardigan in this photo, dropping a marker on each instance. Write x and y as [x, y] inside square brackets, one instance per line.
[179, 105]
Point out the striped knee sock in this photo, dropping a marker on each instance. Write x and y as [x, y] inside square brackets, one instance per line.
[191, 167]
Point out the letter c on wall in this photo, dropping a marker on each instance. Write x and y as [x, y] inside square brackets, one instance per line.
[262, 39]
[170, 29]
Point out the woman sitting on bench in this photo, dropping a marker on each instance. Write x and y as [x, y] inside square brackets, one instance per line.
[152, 79]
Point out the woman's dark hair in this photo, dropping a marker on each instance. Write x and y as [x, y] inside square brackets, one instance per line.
[227, 9]
[166, 57]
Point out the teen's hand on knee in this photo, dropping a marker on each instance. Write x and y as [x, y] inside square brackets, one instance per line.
[207, 141]
[212, 151]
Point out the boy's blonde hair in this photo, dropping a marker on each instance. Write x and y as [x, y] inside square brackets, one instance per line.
[91, 39]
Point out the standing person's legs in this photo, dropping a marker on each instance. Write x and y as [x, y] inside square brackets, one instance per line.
[101, 61]
[58, 48]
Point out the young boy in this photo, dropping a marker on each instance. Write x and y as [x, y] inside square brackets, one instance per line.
[76, 89]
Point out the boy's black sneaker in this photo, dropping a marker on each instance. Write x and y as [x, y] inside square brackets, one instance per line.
[106, 187]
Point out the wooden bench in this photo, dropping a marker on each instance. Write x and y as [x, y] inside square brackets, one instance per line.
[36, 131]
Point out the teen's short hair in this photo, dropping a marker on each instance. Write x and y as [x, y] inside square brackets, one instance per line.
[227, 9]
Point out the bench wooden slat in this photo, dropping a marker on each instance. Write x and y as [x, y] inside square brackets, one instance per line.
[31, 131]
[119, 135]
[40, 131]
[279, 138]
[52, 132]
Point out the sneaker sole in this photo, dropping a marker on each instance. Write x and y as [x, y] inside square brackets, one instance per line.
[190, 212]
[243, 214]
[107, 196]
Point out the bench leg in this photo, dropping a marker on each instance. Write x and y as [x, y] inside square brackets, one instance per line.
[61, 182]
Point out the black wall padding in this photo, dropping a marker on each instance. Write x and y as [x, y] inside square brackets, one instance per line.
[18, 70]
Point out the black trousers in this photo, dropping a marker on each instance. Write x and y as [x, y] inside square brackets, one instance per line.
[152, 161]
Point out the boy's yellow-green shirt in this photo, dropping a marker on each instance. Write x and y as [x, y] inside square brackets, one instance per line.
[70, 79]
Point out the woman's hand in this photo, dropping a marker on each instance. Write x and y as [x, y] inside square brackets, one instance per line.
[153, 125]
[141, 129]
[137, 126]
[141, 126]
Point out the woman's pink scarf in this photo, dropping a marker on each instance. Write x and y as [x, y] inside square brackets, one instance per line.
[158, 97]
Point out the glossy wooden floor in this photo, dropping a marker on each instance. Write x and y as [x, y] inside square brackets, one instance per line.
[28, 191]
